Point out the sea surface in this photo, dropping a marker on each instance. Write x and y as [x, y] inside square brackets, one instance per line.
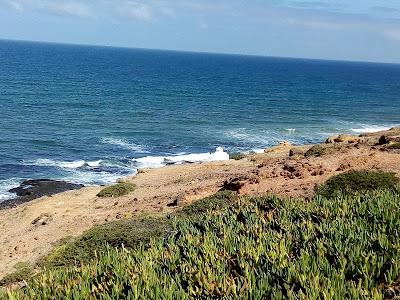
[92, 114]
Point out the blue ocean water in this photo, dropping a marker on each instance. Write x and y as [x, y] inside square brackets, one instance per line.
[92, 114]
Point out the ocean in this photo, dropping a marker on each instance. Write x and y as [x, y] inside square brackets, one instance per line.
[89, 114]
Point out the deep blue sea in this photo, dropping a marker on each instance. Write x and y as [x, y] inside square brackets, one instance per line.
[92, 114]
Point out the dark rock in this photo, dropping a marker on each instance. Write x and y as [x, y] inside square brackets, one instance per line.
[33, 189]
[173, 203]
[384, 139]
[234, 184]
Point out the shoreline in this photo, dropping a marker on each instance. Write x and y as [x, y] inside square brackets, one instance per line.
[30, 230]
[175, 160]
[150, 161]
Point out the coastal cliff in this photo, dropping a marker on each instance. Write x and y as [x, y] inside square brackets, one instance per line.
[30, 230]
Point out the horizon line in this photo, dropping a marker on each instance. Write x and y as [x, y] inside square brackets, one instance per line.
[199, 52]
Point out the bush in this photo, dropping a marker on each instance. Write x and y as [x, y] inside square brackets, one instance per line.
[116, 190]
[23, 271]
[256, 248]
[315, 151]
[237, 156]
[127, 233]
[393, 146]
[358, 181]
[218, 201]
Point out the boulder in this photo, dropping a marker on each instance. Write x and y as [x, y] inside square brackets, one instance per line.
[343, 138]
[296, 152]
[385, 139]
[331, 139]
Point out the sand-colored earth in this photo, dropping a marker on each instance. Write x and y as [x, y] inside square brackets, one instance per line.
[29, 231]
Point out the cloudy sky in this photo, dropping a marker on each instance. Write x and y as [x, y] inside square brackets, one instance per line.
[367, 30]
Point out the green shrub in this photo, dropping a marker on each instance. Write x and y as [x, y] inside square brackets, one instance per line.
[315, 151]
[347, 247]
[127, 233]
[236, 156]
[358, 181]
[393, 146]
[23, 271]
[218, 201]
[117, 190]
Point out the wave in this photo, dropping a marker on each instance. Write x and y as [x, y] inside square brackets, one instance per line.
[124, 144]
[160, 161]
[291, 130]
[244, 135]
[5, 186]
[94, 164]
[370, 129]
[45, 162]
[90, 178]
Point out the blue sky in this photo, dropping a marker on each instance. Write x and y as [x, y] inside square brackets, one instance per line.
[367, 30]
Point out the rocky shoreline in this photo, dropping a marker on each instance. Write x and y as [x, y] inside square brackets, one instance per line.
[31, 224]
[37, 188]
[385, 140]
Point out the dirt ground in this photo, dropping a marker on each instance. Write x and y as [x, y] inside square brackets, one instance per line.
[28, 231]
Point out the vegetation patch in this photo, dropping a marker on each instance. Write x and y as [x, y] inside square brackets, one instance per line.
[23, 271]
[315, 151]
[353, 182]
[126, 233]
[216, 202]
[236, 156]
[347, 247]
[393, 146]
[123, 233]
[117, 190]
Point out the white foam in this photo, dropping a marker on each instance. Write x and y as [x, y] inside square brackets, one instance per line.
[370, 129]
[291, 130]
[94, 164]
[55, 163]
[72, 164]
[244, 135]
[91, 178]
[5, 186]
[124, 144]
[151, 161]
[160, 161]
[258, 151]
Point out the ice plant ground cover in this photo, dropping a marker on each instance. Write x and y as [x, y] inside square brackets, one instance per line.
[347, 247]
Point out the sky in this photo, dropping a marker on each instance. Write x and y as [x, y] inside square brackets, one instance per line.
[361, 30]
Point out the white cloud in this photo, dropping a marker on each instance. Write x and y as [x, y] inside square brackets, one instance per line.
[60, 7]
[392, 34]
[70, 8]
[15, 5]
[137, 11]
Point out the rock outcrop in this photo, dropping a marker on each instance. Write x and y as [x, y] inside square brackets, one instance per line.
[32, 189]
[343, 138]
